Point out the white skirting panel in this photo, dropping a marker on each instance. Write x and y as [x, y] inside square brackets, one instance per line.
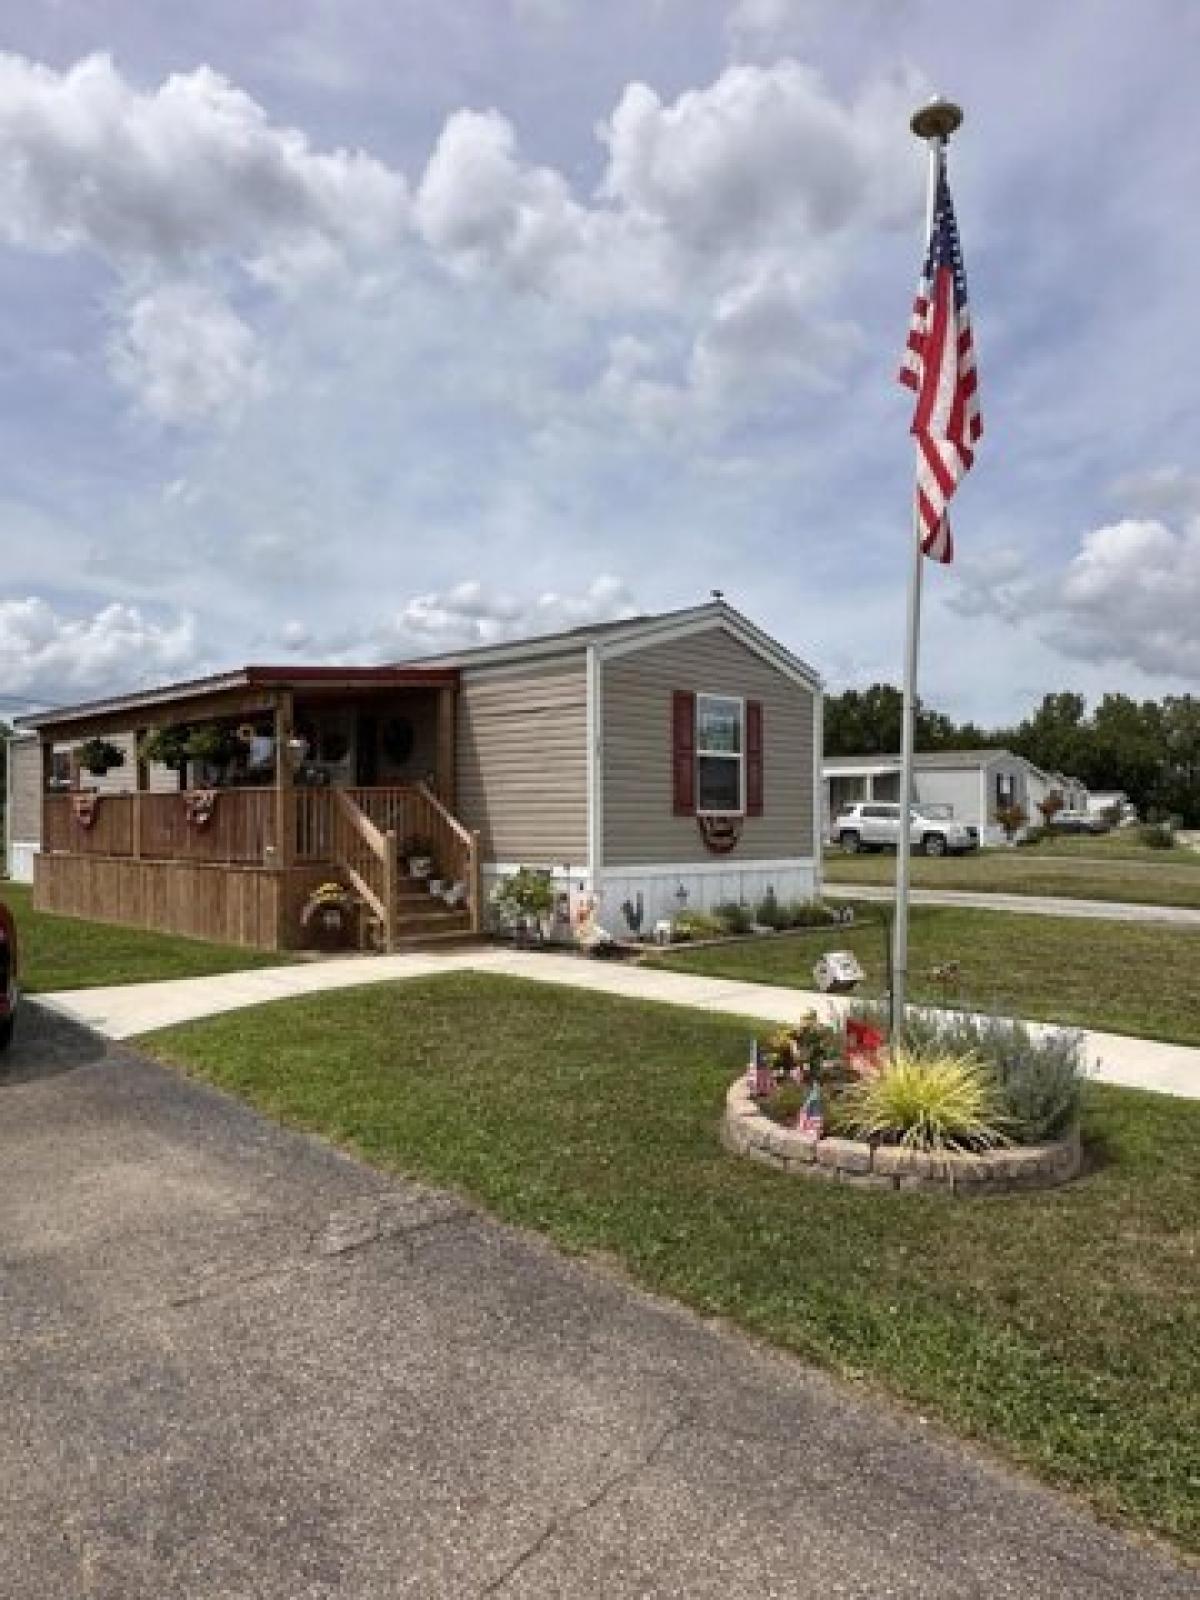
[20, 861]
[703, 886]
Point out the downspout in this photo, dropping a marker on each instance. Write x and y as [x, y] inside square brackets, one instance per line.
[595, 768]
[818, 761]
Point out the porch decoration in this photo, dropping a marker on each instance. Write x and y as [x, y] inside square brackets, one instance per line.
[419, 853]
[328, 916]
[199, 806]
[720, 834]
[84, 806]
[99, 756]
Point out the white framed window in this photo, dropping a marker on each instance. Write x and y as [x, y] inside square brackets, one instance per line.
[720, 755]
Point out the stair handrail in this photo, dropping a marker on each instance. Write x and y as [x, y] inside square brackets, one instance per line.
[439, 809]
[383, 848]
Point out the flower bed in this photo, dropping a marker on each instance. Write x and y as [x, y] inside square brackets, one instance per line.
[748, 1131]
[921, 1113]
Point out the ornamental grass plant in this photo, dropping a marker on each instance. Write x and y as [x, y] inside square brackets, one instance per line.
[926, 1101]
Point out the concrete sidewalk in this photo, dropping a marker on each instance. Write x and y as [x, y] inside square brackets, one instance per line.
[1031, 905]
[123, 1013]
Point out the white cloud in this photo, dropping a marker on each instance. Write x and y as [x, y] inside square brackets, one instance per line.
[1129, 595]
[1132, 593]
[762, 337]
[186, 355]
[764, 333]
[193, 167]
[763, 157]
[481, 207]
[472, 614]
[54, 657]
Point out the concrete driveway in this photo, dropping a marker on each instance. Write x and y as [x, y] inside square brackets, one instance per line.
[238, 1364]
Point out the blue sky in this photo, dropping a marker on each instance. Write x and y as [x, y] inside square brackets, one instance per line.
[353, 329]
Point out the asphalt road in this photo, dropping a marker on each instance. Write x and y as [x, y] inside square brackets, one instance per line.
[237, 1364]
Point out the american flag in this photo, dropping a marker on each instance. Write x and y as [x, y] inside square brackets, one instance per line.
[939, 364]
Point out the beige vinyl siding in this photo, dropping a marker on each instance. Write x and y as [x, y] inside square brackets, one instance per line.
[639, 824]
[522, 760]
[25, 783]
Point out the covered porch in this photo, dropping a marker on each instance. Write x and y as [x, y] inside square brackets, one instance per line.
[235, 797]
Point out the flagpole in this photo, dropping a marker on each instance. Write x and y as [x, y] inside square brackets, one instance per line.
[934, 123]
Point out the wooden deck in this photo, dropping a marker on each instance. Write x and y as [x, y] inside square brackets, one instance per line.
[242, 875]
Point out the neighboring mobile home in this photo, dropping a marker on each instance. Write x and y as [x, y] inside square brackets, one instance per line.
[975, 784]
[656, 763]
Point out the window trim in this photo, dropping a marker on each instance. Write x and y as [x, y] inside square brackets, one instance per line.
[722, 755]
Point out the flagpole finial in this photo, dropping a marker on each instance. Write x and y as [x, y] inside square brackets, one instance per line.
[938, 119]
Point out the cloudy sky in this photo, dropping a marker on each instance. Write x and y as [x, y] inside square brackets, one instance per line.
[353, 329]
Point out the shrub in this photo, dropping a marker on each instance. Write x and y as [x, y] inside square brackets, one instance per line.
[785, 1103]
[808, 914]
[1156, 836]
[1012, 819]
[733, 916]
[524, 893]
[931, 1101]
[768, 913]
[1032, 835]
[1039, 1075]
[697, 925]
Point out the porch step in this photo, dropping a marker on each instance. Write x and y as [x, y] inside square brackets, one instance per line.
[432, 922]
[423, 941]
[430, 911]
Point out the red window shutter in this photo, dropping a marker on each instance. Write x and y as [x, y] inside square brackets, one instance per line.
[683, 752]
[754, 758]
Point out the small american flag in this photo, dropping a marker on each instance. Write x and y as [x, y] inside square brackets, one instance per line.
[939, 364]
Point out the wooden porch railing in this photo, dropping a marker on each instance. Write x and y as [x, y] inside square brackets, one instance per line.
[361, 832]
[367, 857]
[110, 832]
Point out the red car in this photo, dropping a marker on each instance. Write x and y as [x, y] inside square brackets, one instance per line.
[8, 974]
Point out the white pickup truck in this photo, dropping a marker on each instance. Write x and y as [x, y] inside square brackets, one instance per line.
[875, 825]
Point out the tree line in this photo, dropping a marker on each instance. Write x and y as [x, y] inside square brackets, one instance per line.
[1148, 748]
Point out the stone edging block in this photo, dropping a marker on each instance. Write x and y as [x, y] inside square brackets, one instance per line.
[748, 1131]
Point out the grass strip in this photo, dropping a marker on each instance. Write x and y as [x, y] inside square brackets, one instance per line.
[1061, 1327]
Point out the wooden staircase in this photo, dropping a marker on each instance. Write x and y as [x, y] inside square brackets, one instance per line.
[398, 911]
[421, 916]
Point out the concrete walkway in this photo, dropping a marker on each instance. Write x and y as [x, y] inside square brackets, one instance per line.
[1035, 905]
[237, 1363]
[123, 1013]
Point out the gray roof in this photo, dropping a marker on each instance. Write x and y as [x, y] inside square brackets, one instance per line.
[645, 629]
[584, 634]
[924, 758]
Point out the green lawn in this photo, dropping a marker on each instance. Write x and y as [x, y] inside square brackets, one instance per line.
[1122, 977]
[66, 953]
[1080, 869]
[1122, 844]
[1063, 1328]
